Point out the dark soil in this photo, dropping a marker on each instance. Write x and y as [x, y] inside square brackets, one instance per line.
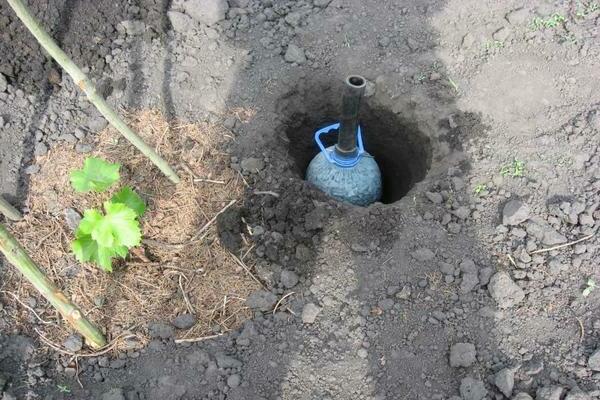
[486, 126]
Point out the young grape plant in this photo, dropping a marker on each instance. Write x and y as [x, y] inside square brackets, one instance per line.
[102, 236]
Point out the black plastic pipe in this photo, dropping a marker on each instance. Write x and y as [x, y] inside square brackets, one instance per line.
[353, 93]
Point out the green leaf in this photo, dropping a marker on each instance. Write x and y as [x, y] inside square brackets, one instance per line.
[121, 251]
[101, 237]
[90, 220]
[104, 256]
[96, 174]
[119, 227]
[131, 199]
[86, 249]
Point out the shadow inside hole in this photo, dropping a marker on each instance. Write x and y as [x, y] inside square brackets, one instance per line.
[401, 150]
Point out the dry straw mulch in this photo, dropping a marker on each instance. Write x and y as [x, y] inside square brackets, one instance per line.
[180, 267]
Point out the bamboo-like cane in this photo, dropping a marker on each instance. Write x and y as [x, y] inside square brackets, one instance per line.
[17, 256]
[8, 210]
[88, 87]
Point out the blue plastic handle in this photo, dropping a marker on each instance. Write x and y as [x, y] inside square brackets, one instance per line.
[334, 157]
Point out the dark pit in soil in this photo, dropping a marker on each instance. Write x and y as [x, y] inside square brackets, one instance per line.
[402, 151]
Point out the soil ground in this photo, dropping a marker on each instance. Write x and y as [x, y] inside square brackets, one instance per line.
[466, 283]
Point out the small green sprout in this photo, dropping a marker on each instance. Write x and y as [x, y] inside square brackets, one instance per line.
[537, 24]
[518, 167]
[427, 71]
[493, 44]
[421, 77]
[102, 236]
[454, 85]
[480, 188]
[515, 169]
[63, 388]
[552, 21]
[589, 286]
[587, 8]
[568, 38]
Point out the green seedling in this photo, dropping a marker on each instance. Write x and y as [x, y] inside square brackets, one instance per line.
[589, 286]
[480, 189]
[568, 38]
[102, 236]
[587, 8]
[454, 85]
[427, 72]
[552, 21]
[493, 44]
[514, 169]
[518, 167]
[347, 41]
[63, 388]
[421, 77]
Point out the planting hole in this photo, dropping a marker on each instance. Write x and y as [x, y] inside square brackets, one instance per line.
[401, 150]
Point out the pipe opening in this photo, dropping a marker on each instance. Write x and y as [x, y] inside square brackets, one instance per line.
[356, 81]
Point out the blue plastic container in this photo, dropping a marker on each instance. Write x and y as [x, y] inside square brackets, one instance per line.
[355, 179]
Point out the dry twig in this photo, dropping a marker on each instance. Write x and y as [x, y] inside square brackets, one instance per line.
[581, 329]
[27, 307]
[198, 339]
[281, 300]
[267, 192]
[209, 181]
[560, 246]
[185, 296]
[102, 351]
[210, 222]
[241, 264]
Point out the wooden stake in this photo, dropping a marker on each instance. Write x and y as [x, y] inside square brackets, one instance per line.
[8, 210]
[88, 87]
[17, 256]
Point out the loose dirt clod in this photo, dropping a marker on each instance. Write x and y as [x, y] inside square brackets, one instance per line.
[181, 267]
